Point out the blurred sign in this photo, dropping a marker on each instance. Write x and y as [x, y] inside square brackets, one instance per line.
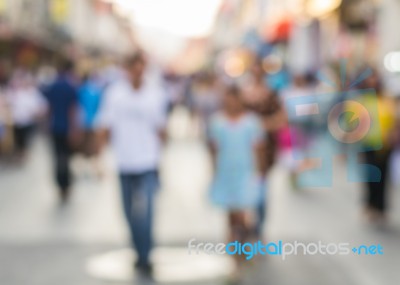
[59, 10]
[348, 115]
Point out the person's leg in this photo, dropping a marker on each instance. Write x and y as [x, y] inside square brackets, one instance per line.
[128, 184]
[235, 235]
[380, 196]
[232, 226]
[137, 198]
[62, 156]
[142, 216]
[370, 186]
[376, 191]
[269, 152]
[240, 228]
[260, 215]
[18, 139]
[25, 137]
[240, 232]
[94, 155]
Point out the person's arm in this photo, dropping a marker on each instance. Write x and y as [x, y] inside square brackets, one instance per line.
[212, 137]
[213, 152]
[260, 153]
[160, 116]
[42, 105]
[260, 148]
[278, 119]
[162, 133]
[102, 137]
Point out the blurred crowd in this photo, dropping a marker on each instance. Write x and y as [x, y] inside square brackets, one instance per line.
[245, 121]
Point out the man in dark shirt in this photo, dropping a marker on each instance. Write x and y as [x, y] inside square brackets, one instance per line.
[62, 99]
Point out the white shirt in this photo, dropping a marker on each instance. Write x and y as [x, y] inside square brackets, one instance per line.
[134, 118]
[25, 105]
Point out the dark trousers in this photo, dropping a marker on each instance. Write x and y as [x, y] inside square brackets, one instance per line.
[271, 149]
[21, 137]
[137, 199]
[376, 191]
[62, 157]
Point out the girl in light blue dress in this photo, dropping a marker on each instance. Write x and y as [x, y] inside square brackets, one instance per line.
[235, 137]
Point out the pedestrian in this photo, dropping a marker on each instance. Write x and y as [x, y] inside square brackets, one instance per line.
[378, 145]
[62, 100]
[298, 135]
[236, 142]
[90, 94]
[26, 105]
[259, 98]
[133, 116]
[205, 97]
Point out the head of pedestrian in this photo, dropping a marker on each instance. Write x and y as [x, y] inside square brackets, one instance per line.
[135, 67]
[373, 81]
[257, 71]
[66, 67]
[233, 104]
[299, 80]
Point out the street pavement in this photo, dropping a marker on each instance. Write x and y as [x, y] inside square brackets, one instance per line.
[85, 242]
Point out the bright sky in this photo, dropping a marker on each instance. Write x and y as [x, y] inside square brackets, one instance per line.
[163, 27]
[183, 18]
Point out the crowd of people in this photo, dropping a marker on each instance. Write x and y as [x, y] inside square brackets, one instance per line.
[245, 124]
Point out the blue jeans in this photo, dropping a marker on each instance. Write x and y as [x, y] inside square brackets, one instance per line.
[137, 198]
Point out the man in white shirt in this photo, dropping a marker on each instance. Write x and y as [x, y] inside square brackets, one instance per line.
[133, 114]
[26, 106]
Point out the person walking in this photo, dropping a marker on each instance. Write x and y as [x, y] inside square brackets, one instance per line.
[259, 98]
[90, 94]
[62, 99]
[133, 115]
[236, 143]
[26, 106]
[378, 145]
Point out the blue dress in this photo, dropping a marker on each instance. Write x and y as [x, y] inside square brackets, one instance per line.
[236, 184]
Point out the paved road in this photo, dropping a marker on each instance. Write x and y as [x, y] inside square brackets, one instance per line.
[84, 243]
